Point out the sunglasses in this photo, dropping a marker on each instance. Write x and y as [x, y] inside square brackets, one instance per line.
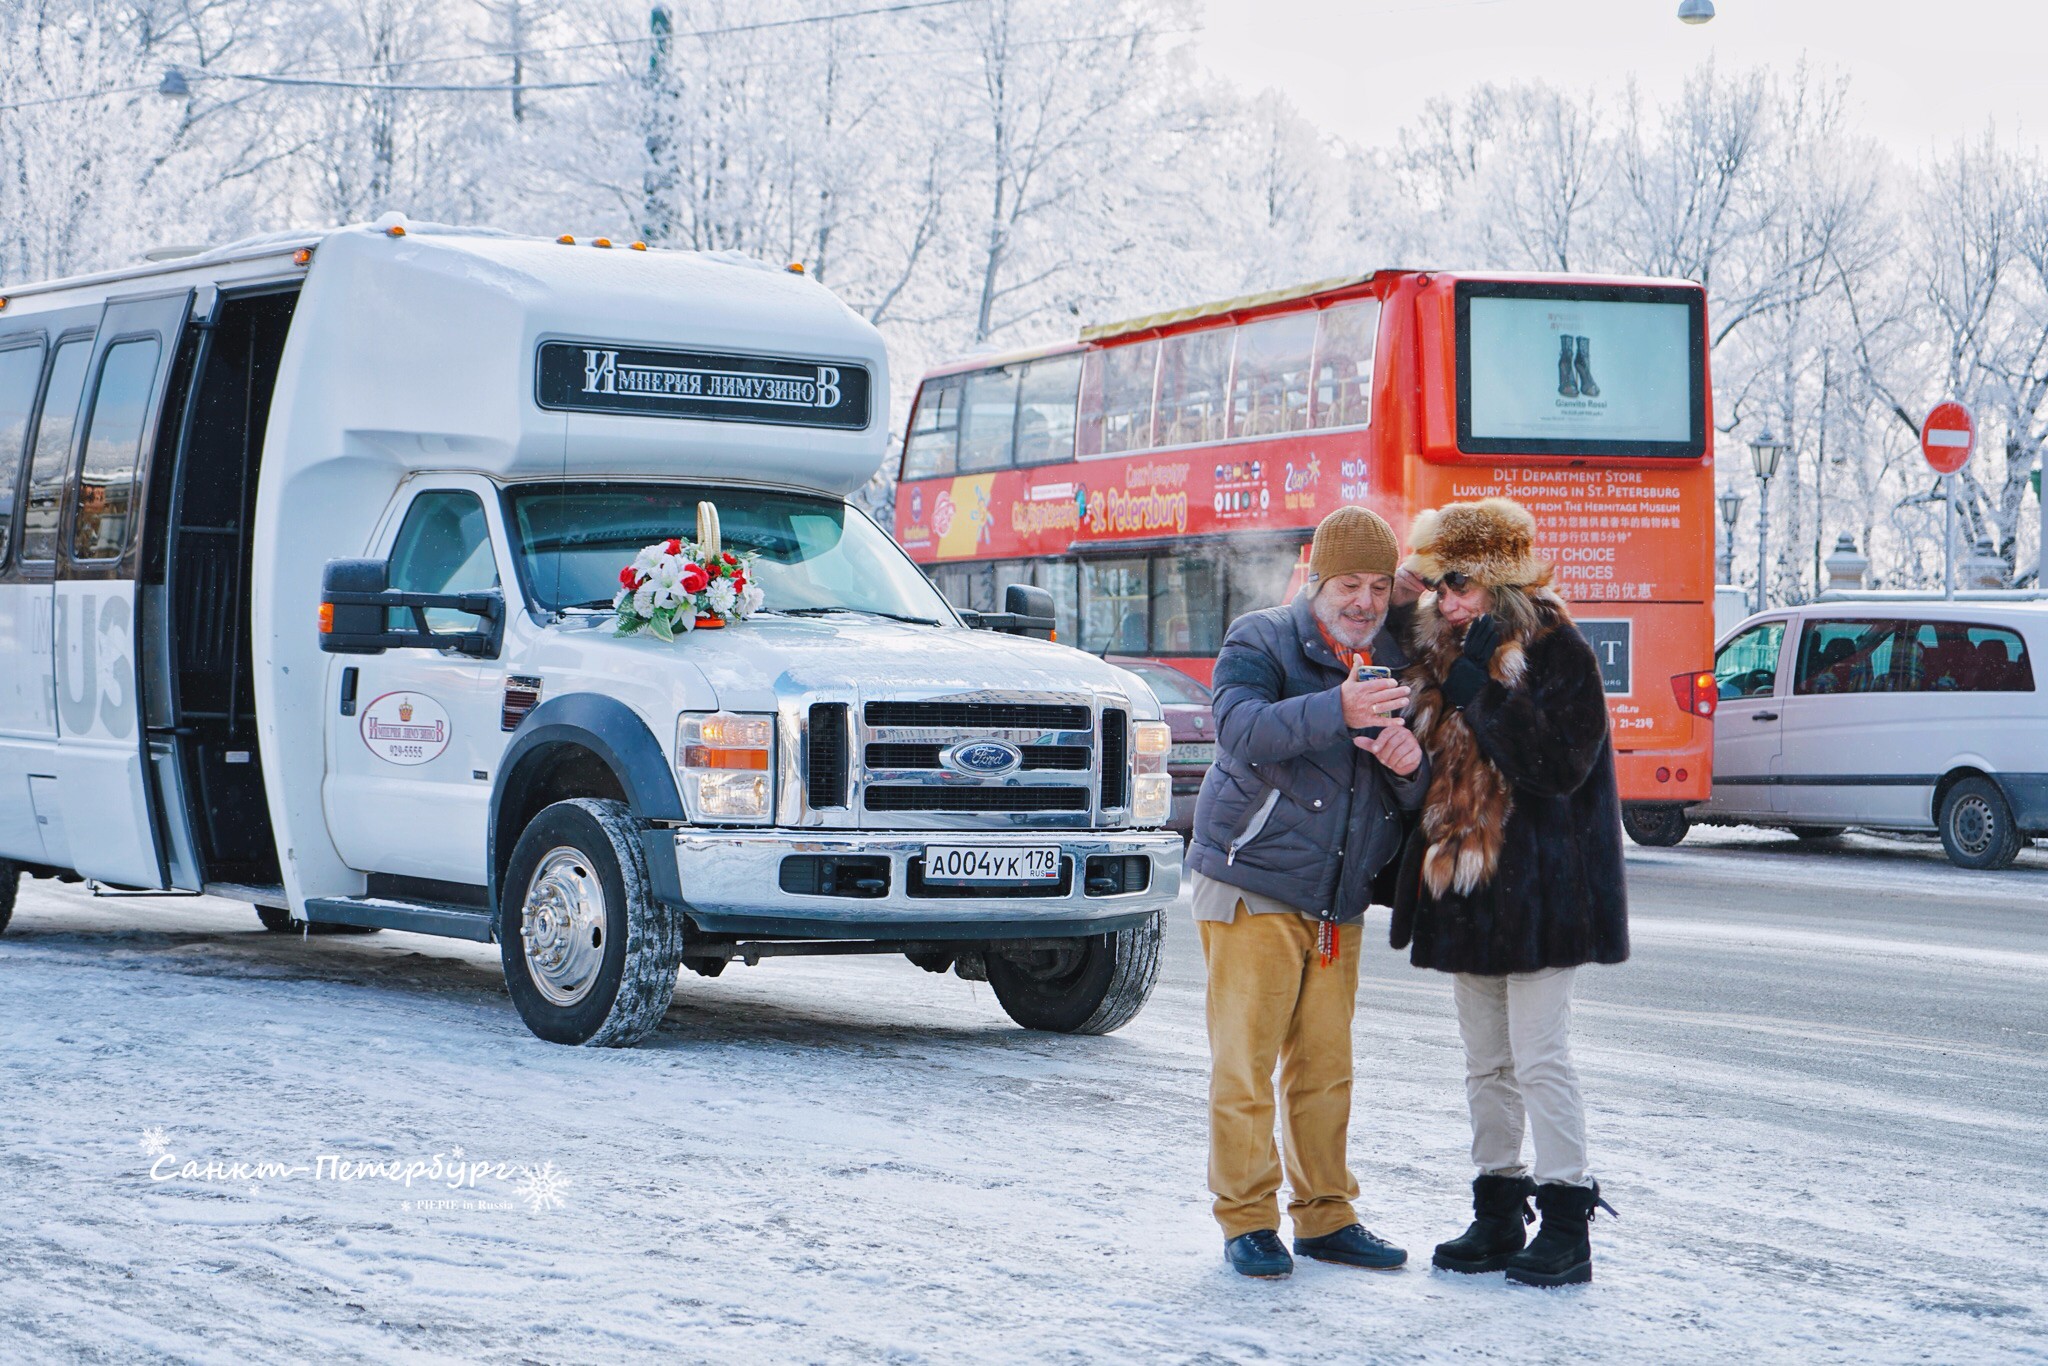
[1453, 580]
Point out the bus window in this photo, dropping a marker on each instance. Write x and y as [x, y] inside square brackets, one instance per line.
[1344, 347]
[1045, 410]
[1116, 399]
[934, 431]
[1187, 605]
[1258, 578]
[1113, 603]
[21, 369]
[1270, 392]
[1062, 579]
[113, 448]
[48, 466]
[1194, 380]
[988, 416]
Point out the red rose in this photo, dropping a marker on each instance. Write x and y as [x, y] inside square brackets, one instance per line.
[674, 546]
[693, 579]
[739, 582]
[629, 578]
[729, 559]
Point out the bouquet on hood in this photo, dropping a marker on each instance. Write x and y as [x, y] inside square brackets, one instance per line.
[674, 586]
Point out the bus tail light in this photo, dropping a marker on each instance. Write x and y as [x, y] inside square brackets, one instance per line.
[1697, 693]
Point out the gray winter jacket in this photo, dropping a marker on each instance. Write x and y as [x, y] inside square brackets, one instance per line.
[1291, 809]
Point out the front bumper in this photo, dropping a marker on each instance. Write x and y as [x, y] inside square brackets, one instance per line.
[729, 882]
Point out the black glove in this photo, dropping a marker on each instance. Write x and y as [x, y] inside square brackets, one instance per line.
[1468, 676]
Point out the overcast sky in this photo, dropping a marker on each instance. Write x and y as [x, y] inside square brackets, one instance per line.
[1923, 73]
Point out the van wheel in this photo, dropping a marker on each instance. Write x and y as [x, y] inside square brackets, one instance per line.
[10, 883]
[1817, 832]
[1976, 826]
[1079, 986]
[590, 956]
[1657, 827]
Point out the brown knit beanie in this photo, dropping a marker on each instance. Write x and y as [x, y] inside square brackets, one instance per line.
[1353, 540]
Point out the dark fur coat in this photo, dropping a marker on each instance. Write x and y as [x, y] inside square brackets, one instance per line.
[1516, 863]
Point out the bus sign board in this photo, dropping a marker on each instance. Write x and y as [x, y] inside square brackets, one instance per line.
[605, 377]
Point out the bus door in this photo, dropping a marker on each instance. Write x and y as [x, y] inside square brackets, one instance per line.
[101, 778]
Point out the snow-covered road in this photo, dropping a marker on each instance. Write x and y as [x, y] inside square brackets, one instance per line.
[1819, 1096]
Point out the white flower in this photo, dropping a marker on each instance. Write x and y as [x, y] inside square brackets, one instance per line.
[751, 599]
[721, 596]
[621, 598]
[647, 559]
[643, 600]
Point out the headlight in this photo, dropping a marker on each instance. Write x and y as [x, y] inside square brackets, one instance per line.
[725, 762]
[1151, 787]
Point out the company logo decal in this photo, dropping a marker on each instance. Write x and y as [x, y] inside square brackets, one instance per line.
[701, 384]
[405, 728]
[984, 758]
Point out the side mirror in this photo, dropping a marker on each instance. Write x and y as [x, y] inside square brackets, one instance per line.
[1032, 609]
[355, 614]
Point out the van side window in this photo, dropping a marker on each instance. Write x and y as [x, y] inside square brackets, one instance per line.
[444, 546]
[113, 447]
[1848, 657]
[52, 459]
[1748, 665]
[1956, 656]
[21, 369]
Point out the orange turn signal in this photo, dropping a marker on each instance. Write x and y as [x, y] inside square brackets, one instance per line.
[326, 618]
[708, 756]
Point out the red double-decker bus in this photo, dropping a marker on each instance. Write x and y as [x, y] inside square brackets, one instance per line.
[1163, 475]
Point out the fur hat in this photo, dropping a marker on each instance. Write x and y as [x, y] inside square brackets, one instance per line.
[1492, 542]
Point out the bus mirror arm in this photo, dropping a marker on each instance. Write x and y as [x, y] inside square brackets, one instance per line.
[355, 611]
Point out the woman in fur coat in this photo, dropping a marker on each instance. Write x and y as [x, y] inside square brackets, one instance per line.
[1513, 877]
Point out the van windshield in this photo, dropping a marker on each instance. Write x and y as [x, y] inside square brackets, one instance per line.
[816, 555]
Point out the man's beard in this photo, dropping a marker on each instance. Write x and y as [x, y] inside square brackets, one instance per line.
[1353, 632]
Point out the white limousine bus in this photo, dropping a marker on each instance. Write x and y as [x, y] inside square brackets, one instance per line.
[308, 551]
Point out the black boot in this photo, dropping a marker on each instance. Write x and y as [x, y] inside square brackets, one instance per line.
[1562, 1254]
[1567, 377]
[1584, 367]
[1500, 1209]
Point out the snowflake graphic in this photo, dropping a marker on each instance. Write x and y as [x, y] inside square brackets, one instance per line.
[455, 1151]
[541, 1187]
[155, 1141]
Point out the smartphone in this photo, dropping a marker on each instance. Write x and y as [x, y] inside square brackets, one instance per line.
[1364, 671]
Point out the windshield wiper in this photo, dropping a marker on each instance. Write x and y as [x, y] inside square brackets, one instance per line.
[863, 611]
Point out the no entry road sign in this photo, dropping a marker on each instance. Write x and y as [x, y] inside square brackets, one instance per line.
[1947, 437]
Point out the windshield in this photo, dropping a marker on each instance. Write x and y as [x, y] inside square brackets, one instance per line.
[816, 553]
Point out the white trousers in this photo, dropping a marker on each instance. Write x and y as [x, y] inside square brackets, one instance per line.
[1518, 1074]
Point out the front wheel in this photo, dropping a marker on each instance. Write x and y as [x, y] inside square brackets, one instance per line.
[1977, 827]
[1080, 986]
[1658, 827]
[590, 955]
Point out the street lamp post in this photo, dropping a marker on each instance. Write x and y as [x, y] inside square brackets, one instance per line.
[1764, 451]
[1731, 508]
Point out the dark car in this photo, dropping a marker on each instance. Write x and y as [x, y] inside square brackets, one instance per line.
[1186, 706]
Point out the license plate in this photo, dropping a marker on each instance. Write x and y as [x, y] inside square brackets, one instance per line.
[1192, 752]
[961, 864]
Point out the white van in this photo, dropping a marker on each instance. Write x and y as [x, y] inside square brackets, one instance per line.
[452, 442]
[1891, 714]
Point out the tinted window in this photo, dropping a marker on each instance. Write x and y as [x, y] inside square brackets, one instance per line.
[988, 416]
[1954, 656]
[1258, 578]
[1194, 380]
[1344, 347]
[1045, 410]
[52, 459]
[1748, 665]
[934, 440]
[113, 448]
[1270, 392]
[1847, 657]
[1113, 603]
[21, 370]
[1187, 605]
[1116, 399]
[444, 546]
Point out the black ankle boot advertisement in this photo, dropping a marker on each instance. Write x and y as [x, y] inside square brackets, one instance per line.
[1575, 370]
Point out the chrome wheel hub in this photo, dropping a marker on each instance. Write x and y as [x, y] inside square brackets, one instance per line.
[562, 926]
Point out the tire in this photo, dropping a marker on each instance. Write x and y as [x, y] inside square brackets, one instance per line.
[1817, 832]
[1096, 988]
[1977, 827]
[10, 884]
[1655, 827]
[606, 953]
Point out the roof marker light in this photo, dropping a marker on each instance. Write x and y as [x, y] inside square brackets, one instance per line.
[3, 303]
[395, 230]
[795, 267]
[600, 241]
[639, 246]
[303, 256]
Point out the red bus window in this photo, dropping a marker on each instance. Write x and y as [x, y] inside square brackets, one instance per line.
[1116, 399]
[1045, 410]
[1113, 603]
[1270, 393]
[1194, 381]
[988, 416]
[1344, 347]
[1187, 605]
[934, 432]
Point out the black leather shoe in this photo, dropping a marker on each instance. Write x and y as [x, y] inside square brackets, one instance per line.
[1500, 1209]
[1259, 1254]
[1352, 1246]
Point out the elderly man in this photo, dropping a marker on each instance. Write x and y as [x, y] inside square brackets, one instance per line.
[1314, 764]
